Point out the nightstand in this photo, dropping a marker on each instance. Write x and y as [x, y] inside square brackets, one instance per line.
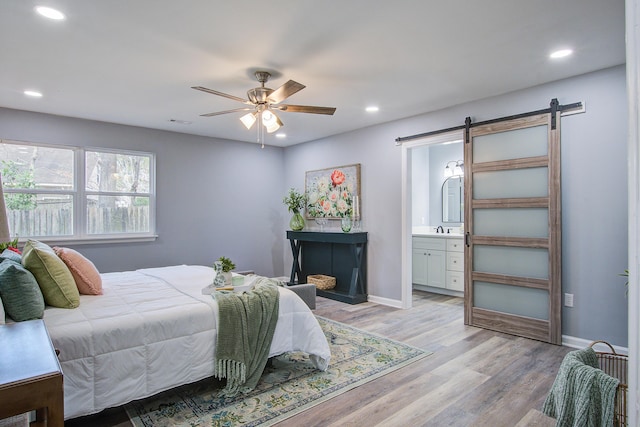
[30, 374]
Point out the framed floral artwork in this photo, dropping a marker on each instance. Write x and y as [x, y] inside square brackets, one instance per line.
[331, 193]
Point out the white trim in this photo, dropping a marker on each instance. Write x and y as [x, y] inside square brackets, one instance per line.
[405, 259]
[385, 301]
[79, 196]
[580, 343]
[441, 291]
[95, 240]
[632, 28]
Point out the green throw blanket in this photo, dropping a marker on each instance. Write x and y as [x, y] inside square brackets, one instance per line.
[582, 394]
[246, 323]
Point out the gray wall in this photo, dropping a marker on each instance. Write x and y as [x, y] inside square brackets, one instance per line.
[427, 177]
[236, 209]
[214, 197]
[440, 154]
[420, 188]
[594, 188]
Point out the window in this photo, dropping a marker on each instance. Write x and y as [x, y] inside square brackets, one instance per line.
[74, 193]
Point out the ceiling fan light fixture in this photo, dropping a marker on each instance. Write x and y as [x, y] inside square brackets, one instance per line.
[262, 101]
[248, 120]
[270, 121]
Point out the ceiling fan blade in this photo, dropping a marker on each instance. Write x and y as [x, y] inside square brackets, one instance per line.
[215, 92]
[306, 109]
[226, 111]
[285, 91]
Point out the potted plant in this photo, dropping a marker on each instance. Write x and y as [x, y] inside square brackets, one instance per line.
[295, 201]
[226, 265]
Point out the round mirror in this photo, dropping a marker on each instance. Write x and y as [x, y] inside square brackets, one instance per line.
[453, 200]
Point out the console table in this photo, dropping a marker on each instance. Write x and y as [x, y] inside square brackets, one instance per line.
[340, 255]
[30, 374]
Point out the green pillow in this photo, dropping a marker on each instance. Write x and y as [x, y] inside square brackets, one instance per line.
[21, 296]
[54, 278]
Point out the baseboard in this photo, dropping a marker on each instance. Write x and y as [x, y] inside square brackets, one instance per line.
[574, 342]
[385, 301]
[441, 291]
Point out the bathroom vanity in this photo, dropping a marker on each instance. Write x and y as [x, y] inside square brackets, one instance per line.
[438, 262]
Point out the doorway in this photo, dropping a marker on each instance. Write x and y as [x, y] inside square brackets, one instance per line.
[430, 203]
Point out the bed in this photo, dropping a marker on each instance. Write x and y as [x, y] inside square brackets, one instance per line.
[152, 330]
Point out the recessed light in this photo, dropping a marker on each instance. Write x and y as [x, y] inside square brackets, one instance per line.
[33, 93]
[50, 13]
[562, 53]
[281, 135]
[372, 109]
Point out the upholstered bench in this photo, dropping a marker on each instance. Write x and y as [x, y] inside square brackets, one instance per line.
[307, 292]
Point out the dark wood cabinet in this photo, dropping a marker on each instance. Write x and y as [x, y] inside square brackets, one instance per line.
[341, 255]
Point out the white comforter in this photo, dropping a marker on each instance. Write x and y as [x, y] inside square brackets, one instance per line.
[153, 330]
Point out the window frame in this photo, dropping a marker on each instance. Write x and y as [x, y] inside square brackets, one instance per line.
[79, 197]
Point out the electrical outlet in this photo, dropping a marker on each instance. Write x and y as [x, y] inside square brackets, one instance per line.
[568, 300]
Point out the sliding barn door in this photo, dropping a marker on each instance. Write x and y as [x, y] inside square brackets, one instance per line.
[512, 221]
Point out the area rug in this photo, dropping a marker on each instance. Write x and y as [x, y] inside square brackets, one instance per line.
[289, 385]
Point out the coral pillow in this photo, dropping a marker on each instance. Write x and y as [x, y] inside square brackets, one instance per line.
[53, 276]
[84, 272]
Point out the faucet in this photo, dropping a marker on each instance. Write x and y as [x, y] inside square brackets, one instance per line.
[439, 229]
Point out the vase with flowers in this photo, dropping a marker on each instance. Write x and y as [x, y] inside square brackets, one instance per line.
[223, 267]
[295, 201]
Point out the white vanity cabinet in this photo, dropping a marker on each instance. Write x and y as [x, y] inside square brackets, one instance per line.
[429, 261]
[455, 264]
[438, 262]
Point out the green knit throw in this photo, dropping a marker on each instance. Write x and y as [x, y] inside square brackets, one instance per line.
[246, 323]
[582, 394]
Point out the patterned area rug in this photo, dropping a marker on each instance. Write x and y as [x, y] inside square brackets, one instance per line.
[288, 386]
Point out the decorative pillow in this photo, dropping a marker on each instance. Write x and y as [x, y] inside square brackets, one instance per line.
[53, 276]
[84, 272]
[21, 296]
[10, 254]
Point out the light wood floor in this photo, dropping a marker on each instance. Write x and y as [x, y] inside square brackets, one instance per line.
[475, 377]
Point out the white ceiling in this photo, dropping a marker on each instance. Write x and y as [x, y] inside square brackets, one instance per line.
[133, 61]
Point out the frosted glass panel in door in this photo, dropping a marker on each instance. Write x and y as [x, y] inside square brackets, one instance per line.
[529, 182]
[511, 222]
[513, 144]
[512, 261]
[528, 302]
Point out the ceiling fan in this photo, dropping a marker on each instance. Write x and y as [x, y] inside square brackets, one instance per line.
[263, 101]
